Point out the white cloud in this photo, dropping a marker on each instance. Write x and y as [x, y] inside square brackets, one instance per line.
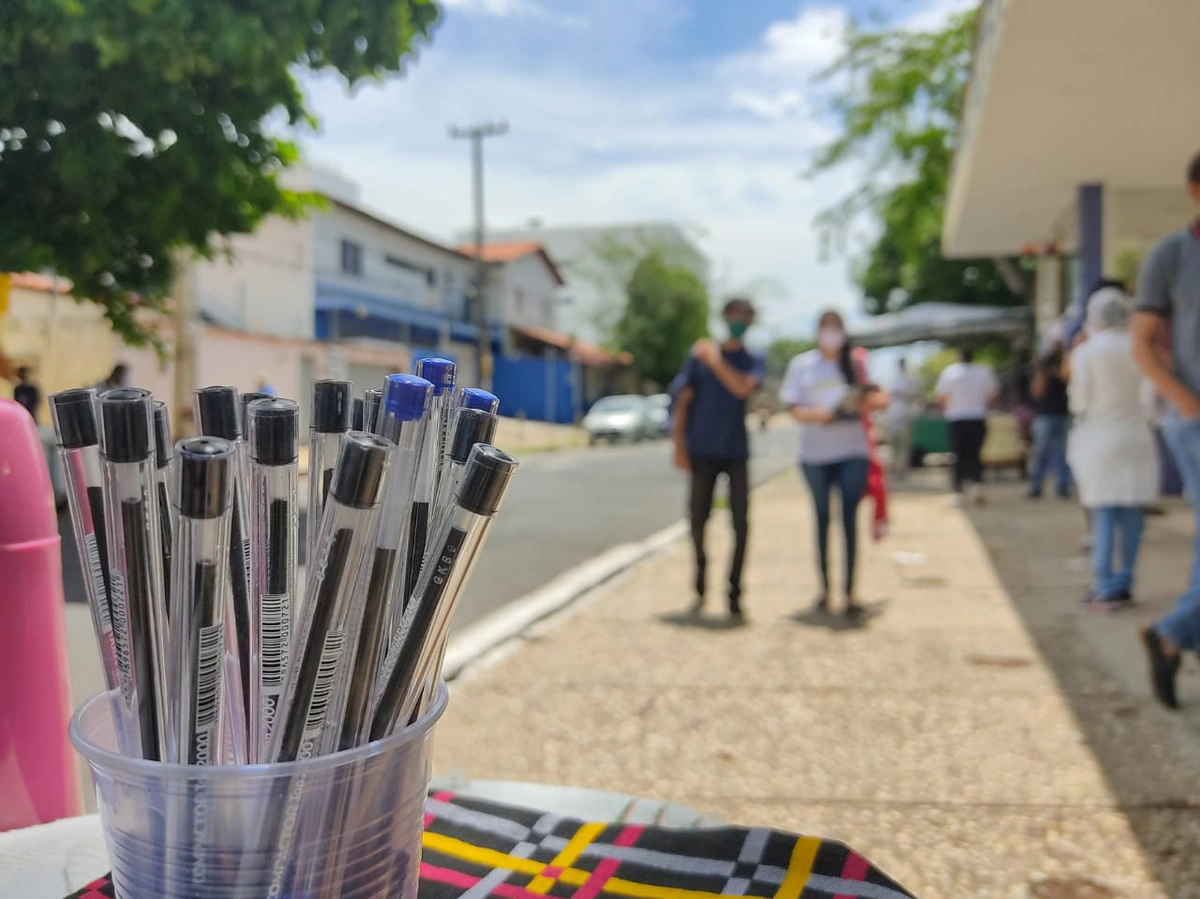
[934, 14]
[603, 130]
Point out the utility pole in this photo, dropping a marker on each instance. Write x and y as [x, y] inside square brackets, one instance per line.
[476, 134]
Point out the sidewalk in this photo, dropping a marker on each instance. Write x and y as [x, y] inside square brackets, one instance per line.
[969, 738]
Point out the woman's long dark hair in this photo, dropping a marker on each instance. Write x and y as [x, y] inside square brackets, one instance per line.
[846, 356]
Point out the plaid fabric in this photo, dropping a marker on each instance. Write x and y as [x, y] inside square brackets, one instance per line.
[477, 849]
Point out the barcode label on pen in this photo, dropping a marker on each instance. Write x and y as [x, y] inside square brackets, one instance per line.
[120, 624]
[208, 675]
[331, 657]
[276, 635]
[246, 558]
[96, 576]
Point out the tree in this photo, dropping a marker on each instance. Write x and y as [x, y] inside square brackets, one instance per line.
[666, 311]
[899, 97]
[136, 132]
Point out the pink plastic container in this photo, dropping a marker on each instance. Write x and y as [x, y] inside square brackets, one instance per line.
[39, 781]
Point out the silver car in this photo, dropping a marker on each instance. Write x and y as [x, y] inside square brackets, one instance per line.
[658, 412]
[616, 418]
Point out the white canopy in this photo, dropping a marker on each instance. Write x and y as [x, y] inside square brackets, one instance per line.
[941, 321]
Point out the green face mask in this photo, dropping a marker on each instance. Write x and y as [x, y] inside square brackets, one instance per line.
[737, 330]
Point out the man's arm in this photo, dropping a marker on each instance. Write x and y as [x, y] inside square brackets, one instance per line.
[683, 407]
[740, 383]
[1145, 330]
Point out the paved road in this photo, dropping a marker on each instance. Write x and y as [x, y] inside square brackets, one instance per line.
[562, 509]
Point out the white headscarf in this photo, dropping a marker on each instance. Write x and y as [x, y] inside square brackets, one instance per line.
[1108, 309]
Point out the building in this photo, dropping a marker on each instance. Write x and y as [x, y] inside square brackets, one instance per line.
[1075, 137]
[596, 260]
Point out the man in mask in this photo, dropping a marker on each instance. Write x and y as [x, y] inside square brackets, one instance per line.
[711, 439]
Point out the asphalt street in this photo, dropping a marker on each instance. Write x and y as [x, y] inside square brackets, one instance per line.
[562, 509]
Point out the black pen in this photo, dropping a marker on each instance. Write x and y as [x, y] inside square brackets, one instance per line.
[416, 645]
[472, 426]
[358, 415]
[401, 424]
[331, 405]
[218, 414]
[135, 563]
[441, 373]
[310, 716]
[372, 398]
[163, 457]
[273, 441]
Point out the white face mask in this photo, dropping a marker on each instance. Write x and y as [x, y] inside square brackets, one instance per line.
[831, 339]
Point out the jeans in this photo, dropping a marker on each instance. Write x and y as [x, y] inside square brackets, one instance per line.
[704, 481]
[849, 477]
[966, 442]
[1182, 626]
[1050, 452]
[1115, 527]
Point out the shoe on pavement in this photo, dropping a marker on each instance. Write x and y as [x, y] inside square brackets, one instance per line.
[696, 609]
[1163, 668]
[853, 610]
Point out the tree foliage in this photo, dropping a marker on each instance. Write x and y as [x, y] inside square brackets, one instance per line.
[133, 132]
[666, 311]
[899, 96]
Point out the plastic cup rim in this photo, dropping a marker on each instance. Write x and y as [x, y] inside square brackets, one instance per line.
[107, 760]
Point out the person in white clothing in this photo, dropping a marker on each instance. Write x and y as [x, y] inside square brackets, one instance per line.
[905, 394]
[965, 391]
[1111, 448]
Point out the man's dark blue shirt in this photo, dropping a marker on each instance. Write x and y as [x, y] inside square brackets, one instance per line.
[716, 423]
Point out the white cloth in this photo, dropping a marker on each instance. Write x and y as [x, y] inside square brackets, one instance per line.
[814, 382]
[904, 395]
[1111, 449]
[968, 390]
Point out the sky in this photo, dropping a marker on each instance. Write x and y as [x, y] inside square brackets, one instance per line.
[699, 112]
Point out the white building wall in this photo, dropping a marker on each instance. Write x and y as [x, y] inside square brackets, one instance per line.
[524, 292]
[266, 285]
[428, 272]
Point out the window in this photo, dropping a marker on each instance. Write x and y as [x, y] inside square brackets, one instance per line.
[352, 257]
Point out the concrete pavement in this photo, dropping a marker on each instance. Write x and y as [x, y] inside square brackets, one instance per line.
[978, 735]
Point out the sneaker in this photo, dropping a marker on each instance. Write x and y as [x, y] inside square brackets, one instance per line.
[1094, 602]
[853, 610]
[821, 606]
[696, 609]
[737, 617]
[1163, 668]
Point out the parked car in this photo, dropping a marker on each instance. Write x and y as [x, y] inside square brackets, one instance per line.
[658, 414]
[616, 418]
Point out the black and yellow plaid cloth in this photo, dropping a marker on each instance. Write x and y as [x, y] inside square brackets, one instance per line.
[477, 849]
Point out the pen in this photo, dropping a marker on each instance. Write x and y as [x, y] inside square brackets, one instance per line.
[314, 695]
[416, 642]
[218, 414]
[74, 416]
[441, 373]
[331, 406]
[163, 456]
[358, 415]
[273, 439]
[472, 426]
[467, 398]
[135, 563]
[401, 423]
[205, 486]
[372, 397]
[245, 400]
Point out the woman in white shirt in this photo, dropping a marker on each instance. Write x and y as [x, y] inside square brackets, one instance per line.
[1111, 448]
[966, 390]
[827, 393]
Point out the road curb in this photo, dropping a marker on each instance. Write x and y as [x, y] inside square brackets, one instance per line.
[518, 616]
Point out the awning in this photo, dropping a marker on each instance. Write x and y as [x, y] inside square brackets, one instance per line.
[941, 321]
[1065, 93]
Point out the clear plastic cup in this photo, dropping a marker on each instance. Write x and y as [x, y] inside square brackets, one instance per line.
[346, 825]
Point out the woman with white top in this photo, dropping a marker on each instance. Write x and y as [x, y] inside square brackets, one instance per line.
[827, 393]
[965, 391]
[1111, 448]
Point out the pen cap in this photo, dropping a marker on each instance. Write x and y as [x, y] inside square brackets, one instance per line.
[441, 373]
[247, 399]
[359, 414]
[474, 426]
[478, 398]
[162, 435]
[331, 406]
[217, 413]
[126, 424]
[486, 479]
[204, 476]
[362, 462]
[274, 434]
[405, 397]
[74, 416]
[372, 398]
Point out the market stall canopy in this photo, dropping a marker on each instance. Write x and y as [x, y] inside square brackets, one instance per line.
[941, 321]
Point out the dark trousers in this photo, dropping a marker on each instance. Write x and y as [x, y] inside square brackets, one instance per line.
[704, 482]
[966, 442]
[849, 478]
